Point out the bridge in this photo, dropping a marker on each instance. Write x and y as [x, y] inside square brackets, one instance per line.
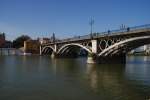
[104, 47]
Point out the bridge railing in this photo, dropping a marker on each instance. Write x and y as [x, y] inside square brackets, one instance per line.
[125, 30]
[107, 33]
[142, 27]
[135, 28]
[76, 38]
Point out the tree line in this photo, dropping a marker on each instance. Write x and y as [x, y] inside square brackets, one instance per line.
[19, 41]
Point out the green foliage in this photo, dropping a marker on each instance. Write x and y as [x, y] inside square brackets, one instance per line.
[19, 42]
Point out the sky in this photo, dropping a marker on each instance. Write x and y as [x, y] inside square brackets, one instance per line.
[68, 18]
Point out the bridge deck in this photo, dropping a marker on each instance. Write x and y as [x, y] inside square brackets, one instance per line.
[121, 32]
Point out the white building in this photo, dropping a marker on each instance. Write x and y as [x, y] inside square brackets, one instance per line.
[145, 48]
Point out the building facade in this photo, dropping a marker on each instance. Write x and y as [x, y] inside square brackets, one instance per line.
[32, 46]
[2, 40]
[44, 40]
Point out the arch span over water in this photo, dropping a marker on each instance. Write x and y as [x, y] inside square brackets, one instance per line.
[125, 46]
[47, 47]
[68, 46]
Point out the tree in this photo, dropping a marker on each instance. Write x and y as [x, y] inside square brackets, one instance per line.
[19, 41]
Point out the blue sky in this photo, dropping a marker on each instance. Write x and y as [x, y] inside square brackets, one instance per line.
[67, 18]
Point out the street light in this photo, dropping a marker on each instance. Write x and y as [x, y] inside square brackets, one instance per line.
[91, 24]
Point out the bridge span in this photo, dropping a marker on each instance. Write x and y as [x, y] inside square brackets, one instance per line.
[105, 47]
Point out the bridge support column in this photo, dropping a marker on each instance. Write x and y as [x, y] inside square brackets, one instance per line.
[40, 50]
[94, 46]
[53, 55]
[91, 59]
[55, 48]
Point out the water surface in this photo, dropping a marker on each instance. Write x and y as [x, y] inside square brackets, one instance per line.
[43, 78]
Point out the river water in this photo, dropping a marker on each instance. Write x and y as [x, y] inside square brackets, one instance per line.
[43, 78]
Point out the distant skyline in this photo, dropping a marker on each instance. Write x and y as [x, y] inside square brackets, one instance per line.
[67, 18]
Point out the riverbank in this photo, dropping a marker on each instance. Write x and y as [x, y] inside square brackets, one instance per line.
[139, 54]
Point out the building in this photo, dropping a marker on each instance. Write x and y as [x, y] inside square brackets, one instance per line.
[142, 49]
[147, 49]
[32, 46]
[2, 40]
[8, 44]
[44, 40]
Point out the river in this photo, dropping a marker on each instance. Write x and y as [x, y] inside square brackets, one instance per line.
[43, 78]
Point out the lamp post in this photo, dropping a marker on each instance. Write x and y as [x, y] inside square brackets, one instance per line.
[91, 24]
